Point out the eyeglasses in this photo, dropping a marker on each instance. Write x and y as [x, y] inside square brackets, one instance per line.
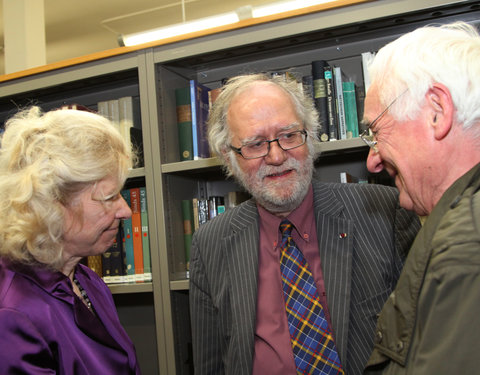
[369, 138]
[258, 149]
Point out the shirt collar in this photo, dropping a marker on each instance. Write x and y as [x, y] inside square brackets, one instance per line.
[302, 217]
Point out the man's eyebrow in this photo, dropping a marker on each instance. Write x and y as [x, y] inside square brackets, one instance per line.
[255, 138]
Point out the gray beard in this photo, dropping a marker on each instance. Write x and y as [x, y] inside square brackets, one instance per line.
[266, 194]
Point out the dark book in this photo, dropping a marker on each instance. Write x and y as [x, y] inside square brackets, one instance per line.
[202, 211]
[117, 258]
[320, 98]
[106, 269]
[112, 260]
[184, 123]
[199, 104]
[307, 86]
[187, 215]
[331, 103]
[147, 262]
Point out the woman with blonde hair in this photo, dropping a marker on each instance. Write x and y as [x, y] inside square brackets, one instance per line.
[61, 173]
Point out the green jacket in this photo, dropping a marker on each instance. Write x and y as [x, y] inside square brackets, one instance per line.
[430, 324]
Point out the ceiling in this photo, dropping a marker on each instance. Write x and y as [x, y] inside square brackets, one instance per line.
[79, 27]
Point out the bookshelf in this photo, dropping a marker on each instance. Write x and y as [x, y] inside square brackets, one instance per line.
[156, 314]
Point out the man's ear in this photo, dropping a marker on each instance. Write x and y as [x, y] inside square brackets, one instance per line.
[441, 110]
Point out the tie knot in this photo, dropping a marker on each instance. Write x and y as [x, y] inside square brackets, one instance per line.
[286, 227]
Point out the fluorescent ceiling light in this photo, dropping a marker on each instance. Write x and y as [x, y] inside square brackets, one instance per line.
[216, 21]
[285, 6]
[180, 29]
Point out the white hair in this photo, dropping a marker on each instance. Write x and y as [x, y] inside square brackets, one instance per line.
[447, 54]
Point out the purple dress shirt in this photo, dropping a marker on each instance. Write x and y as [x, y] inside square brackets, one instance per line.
[273, 349]
[47, 329]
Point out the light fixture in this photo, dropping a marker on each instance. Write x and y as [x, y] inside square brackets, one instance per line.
[179, 29]
[240, 14]
[285, 6]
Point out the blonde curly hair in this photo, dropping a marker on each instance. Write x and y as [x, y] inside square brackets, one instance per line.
[46, 158]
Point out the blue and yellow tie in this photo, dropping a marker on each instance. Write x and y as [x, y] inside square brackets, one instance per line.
[312, 339]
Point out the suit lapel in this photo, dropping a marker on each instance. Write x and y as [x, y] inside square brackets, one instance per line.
[242, 262]
[335, 237]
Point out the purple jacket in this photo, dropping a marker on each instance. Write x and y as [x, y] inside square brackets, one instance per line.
[45, 328]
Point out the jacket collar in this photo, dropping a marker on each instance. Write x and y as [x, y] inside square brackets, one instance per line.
[242, 260]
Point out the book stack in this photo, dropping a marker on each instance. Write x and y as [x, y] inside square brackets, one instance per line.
[198, 211]
[128, 259]
[335, 97]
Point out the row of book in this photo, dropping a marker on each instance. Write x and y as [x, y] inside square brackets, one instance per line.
[338, 100]
[124, 112]
[192, 105]
[335, 99]
[128, 259]
[198, 211]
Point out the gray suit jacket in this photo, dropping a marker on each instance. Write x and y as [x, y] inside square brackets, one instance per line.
[360, 271]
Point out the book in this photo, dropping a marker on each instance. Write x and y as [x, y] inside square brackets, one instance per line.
[350, 104]
[102, 108]
[127, 241]
[234, 198]
[342, 127]
[213, 95]
[216, 206]
[114, 113]
[137, 233]
[136, 138]
[307, 87]
[184, 123]
[147, 262]
[196, 222]
[187, 215]
[106, 268]
[320, 98]
[199, 104]
[125, 117]
[94, 262]
[367, 58]
[117, 259]
[332, 111]
[202, 211]
[113, 265]
[346, 177]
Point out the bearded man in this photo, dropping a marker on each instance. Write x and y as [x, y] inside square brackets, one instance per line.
[290, 281]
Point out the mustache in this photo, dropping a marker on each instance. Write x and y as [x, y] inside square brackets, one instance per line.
[267, 170]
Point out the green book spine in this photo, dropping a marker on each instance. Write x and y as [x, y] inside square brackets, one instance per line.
[128, 239]
[350, 103]
[184, 123]
[147, 263]
[187, 214]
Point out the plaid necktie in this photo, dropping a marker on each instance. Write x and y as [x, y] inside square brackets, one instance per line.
[312, 340]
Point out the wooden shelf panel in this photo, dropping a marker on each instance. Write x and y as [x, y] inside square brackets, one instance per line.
[131, 288]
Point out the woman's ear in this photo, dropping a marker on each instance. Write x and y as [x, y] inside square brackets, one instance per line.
[441, 110]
